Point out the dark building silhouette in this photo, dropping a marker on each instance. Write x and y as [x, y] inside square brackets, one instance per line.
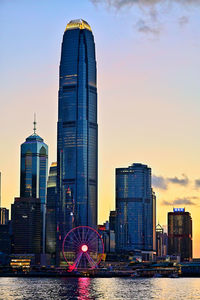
[112, 220]
[5, 239]
[51, 212]
[136, 209]
[77, 130]
[26, 225]
[180, 234]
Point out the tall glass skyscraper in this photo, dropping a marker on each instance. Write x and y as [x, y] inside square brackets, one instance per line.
[33, 172]
[77, 129]
[51, 212]
[136, 209]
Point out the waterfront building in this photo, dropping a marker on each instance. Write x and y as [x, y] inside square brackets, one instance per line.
[4, 216]
[33, 173]
[136, 209]
[77, 130]
[51, 212]
[5, 238]
[26, 225]
[180, 234]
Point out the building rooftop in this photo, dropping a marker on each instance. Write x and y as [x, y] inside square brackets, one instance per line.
[79, 23]
[34, 138]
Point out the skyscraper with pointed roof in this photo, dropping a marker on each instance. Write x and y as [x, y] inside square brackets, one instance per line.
[34, 170]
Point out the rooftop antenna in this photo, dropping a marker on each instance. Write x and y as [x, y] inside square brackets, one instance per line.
[34, 124]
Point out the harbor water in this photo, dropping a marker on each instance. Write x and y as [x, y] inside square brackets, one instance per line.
[99, 288]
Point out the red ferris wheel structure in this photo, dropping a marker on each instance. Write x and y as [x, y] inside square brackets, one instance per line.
[83, 248]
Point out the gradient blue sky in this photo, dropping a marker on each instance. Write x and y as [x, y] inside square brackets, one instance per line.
[148, 91]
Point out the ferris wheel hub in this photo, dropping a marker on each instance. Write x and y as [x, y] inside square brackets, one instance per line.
[84, 248]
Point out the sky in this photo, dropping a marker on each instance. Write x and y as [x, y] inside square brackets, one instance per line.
[148, 70]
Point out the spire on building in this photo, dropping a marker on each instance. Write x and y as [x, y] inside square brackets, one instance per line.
[34, 124]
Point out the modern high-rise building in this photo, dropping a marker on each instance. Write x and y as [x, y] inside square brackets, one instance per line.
[161, 241]
[0, 189]
[33, 172]
[26, 225]
[77, 129]
[136, 209]
[180, 234]
[51, 212]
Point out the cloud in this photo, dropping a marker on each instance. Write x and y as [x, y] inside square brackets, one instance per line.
[151, 11]
[159, 182]
[142, 26]
[197, 183]
[183, 20]
[145, 3]
[181, 201]
[181, 181]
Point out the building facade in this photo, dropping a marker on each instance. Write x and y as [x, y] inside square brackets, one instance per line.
[26, 225]
[51, 212]
[33, 173]
[136, 209]
[4, 216]
[180, 234]
[77, 130]
[161, 241]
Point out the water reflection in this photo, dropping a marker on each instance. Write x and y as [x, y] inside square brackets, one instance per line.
[84, 288]
[99, 288]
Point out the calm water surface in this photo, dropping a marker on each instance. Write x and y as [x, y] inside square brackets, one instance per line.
[99, 288]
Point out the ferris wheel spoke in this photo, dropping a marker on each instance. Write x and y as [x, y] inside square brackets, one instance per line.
[79, 235]
[73, 244]
[92, 240]
[77, 261]
[85, 240]
[90, 260]
[75, 237]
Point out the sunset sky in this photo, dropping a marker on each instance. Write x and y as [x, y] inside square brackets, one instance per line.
[148, 67]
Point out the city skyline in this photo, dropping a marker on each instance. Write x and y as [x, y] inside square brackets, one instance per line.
[167, 140]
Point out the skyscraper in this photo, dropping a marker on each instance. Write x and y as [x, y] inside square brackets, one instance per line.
[33, 172]
[77, 129]
[26, 225]
[180, 234]
[136, 209]
[51, 212]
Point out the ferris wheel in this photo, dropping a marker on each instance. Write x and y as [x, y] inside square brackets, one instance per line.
[83, 248]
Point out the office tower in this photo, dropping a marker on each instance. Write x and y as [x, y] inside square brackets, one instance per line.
[161, 241]
[0, 189]
[26, 225]
[77, 129]
[5, 239]
[112, 220]
[135, 205]
[4, 216]
[33, 172]
[51, 212]
[180, 234]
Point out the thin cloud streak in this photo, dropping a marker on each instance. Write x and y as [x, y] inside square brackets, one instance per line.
[181, 181]
[162, 183]
[181, 201]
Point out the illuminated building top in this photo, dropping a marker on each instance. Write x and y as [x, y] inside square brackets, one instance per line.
[179, 209]
[79, 23]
